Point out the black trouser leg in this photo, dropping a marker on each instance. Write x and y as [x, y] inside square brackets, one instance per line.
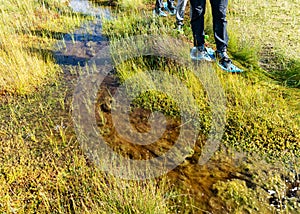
[197, 21]
[158, 4]
[180, 9]
[219, 8]
[170, 3]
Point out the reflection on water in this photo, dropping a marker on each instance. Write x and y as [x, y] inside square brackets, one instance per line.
[85, 7]
[79, 47]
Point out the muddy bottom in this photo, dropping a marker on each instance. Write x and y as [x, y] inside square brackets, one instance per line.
[190, 177]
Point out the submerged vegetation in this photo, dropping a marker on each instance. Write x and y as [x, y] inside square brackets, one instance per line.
[43, 168]
[262, 113]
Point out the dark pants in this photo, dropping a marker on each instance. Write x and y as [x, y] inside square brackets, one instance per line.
[219, 8]
[180, 9]
[159, 4]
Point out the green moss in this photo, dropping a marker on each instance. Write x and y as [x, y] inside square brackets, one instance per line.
[261, 115]
[241, 199]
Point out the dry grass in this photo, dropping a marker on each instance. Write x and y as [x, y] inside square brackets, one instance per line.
[27, 28]
[273, 23]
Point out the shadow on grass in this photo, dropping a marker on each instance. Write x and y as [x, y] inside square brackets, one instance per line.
[105, 2]
[59, 57]
[44, 33]
[289, 76]
[67, 37]
[284, 71]
[267, 61]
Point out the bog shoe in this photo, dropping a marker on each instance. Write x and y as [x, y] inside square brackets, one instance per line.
[159, 12]
[199, 53]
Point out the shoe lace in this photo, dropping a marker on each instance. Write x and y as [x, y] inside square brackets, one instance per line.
[201, 48]
[171, 6]
[224, 57]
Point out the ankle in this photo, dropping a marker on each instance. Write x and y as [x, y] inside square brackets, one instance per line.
[201, 47]
[222, 54]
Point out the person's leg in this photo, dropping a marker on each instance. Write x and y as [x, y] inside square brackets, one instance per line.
[180, 9]
[158, 9]
[158, 5]
[170, 7]
[198, 52]
[197, 21]
[219, 8]
[170, 4]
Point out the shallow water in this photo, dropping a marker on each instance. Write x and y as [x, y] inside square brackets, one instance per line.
[77, 49]
[85, 7]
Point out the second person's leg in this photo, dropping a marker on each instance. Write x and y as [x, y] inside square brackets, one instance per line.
[158, 8]
[171, 4]
[171, 7]
[180, 9]
[158, 4]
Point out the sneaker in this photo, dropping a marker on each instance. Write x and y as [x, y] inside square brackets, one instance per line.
[226, 64]
[200, 53]
[211, 53]
[171, 9]
[159, 12]
[224, 59]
